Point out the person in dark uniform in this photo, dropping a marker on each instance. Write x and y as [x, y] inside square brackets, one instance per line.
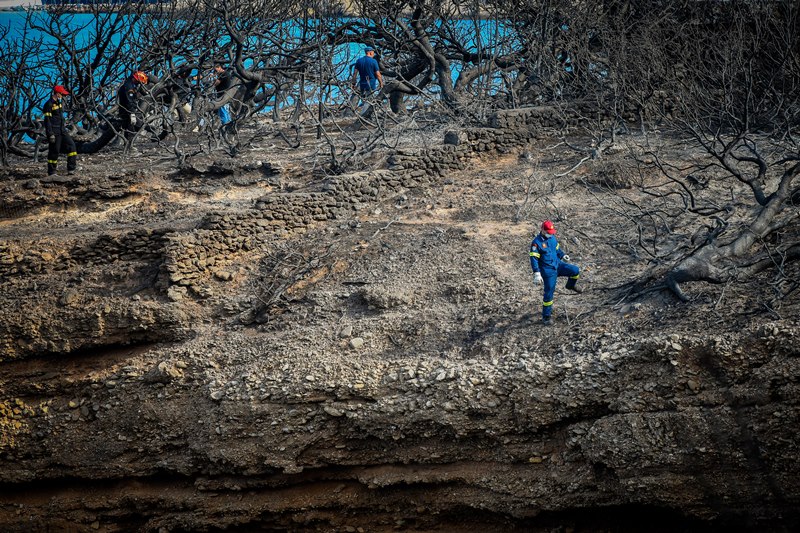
[222, 83]
[127, 97]
[58, 140]
[548, 262]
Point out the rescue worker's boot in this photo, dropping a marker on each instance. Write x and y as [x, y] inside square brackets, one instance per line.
[572, 283]
[547, 321]
[72, 163]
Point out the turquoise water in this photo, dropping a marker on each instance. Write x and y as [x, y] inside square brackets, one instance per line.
[21, 35]
[21, 32]
[16, 21]
[488, 32]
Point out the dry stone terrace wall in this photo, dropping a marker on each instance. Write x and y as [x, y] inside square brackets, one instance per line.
[140, 244]
[42, 256]
[507, 130]
[544, 117]
[193, 256]
[33, 258]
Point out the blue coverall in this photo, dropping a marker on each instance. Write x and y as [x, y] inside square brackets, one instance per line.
[546, 259]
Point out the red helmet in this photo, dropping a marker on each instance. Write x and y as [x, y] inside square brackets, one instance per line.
[140, 76]
[548, 227]
[60, 90]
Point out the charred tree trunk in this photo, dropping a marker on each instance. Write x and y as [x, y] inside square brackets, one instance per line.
[720, 263]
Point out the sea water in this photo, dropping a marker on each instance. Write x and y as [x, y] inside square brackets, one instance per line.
[484, 35]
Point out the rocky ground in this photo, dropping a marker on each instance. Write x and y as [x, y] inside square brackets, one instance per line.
[381, 371]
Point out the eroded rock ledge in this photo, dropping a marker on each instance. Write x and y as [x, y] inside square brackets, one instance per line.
[660, 423]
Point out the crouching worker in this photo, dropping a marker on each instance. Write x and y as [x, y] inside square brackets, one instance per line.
[549, 262]
[222, 83]
[58, 140]
[128, 100]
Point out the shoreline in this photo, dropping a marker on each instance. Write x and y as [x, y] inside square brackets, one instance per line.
[80, 9]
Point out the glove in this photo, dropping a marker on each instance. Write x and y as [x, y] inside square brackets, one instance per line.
[133, 120]
[565, 258]
[537, 278]
[51, 138]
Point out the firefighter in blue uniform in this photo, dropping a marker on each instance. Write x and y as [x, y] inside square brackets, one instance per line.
[55, 127]
[548, 262]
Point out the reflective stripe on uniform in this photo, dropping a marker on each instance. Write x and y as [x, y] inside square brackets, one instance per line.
[558, 245]
[536, 255]
[547, 304]
[71, 154]
[48, 114]
[52, 161]
[575, 277]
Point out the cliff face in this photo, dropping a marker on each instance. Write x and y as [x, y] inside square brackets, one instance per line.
[365, 353]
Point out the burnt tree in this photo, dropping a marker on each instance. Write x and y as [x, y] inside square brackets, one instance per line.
[737, 94]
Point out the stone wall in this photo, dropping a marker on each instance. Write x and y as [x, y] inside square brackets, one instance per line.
[191, 256]
[507, 130]
[35, 258]
[550, 117]
[352, 191]
[44, 256]
[141, 244]
[417, 164]
[188, 257]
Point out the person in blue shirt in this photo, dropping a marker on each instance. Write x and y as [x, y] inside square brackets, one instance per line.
[367, 73]
[548, 262]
